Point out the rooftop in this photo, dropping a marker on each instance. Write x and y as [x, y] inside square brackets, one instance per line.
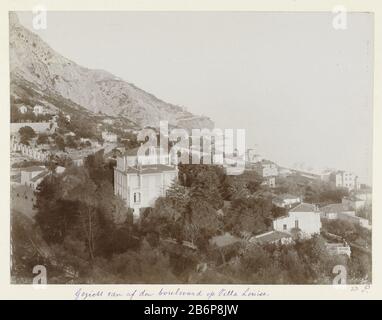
[134, 151]
[336, 245]
[150, 168]
[304, 207]
[263, 162]
[271, 236]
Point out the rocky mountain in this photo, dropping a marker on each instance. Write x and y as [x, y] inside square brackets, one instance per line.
[37, 68]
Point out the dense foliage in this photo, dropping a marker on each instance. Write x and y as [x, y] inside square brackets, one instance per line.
[89, 230]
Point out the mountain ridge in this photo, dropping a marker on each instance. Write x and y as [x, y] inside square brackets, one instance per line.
[98, 91]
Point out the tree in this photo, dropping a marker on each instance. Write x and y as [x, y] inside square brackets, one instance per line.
[71, 142]
[85, 194]
[60, 143]
[42, 138]
[250, 214]
[146, 265]
[26, 134]
[55, 216]
[205, 186]
[289, 185]
[204, 223]
[73, 204]
[366, 212]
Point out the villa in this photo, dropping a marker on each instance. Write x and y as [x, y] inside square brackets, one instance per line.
[141, 180]
[303, 219]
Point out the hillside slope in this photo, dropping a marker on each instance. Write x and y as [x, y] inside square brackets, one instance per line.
[34, 61]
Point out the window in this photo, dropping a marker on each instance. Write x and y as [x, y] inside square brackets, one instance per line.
[284, 227]
[137, 197]
[296, 224]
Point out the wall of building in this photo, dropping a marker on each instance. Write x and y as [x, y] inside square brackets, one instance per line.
[142, 190]
[308, 222]
[29, 151]
[346, 180]
[270, 170]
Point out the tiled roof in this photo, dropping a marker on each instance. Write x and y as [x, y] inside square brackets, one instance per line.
[150, 168]
[304, 207]
[270, 237]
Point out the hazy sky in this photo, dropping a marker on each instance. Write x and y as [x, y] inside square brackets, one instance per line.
[300, 88]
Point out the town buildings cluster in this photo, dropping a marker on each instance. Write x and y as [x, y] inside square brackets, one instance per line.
[141, 179]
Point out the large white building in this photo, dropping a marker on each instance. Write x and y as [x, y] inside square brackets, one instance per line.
[109, 136]
[253, 157]
[304, 219]
[32, 176]
[268, 170]
[141, 180]
[348, 180]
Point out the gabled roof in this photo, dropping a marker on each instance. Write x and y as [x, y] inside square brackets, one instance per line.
[39, 176]
[304, 207]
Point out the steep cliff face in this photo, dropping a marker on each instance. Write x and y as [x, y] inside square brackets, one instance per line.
[34, 61]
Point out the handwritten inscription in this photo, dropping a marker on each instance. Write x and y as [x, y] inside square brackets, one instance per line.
[83, 294]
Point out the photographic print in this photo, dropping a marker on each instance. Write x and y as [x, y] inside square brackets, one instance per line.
[200, 147]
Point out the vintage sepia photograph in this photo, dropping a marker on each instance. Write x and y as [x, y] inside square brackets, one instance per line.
[191, 147]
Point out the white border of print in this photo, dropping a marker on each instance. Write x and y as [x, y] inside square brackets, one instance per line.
[215, 292]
